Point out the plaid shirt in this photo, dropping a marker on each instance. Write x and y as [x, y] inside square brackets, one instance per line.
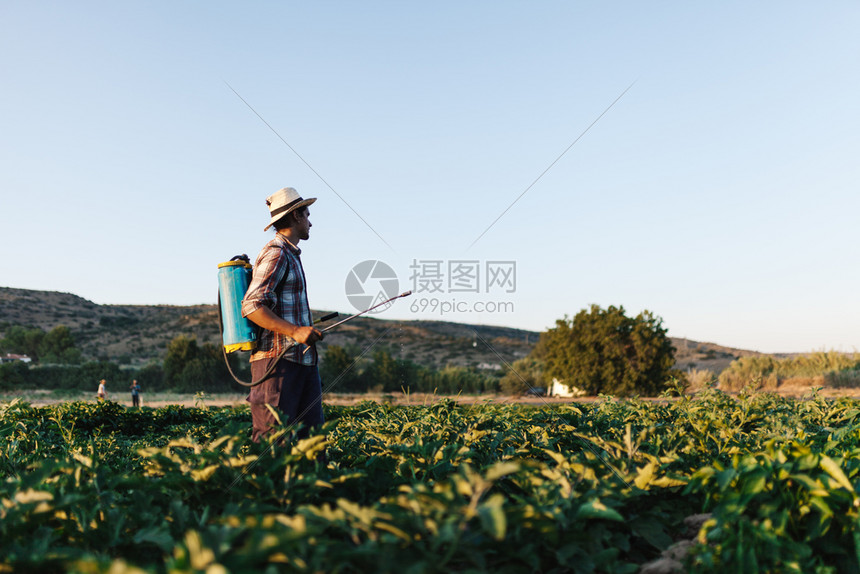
[278, 282]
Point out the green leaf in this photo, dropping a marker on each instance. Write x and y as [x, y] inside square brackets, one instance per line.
[84, 460]
[596, 509]
[754, 485]
[30, 495]
[644, 476]
[501, 469]
[158, 535]
[310, 447]
[835, 471]
[725, 478]
[492, 516]
[667, 482]
[822, 506]
[204, 474]
[652, 531]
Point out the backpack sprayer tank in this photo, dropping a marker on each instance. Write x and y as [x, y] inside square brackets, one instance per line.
[238, 333]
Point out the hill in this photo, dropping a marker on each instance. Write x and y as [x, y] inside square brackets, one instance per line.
[138, 334]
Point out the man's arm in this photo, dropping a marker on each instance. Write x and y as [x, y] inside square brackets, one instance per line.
[266, 318]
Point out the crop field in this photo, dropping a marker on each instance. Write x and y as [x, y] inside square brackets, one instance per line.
[609, 486]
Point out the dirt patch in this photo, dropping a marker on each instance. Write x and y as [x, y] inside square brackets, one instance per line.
[37, 398]
[672, 558]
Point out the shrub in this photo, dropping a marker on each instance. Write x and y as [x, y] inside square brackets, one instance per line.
[151, 377]
[699, 379]
[525, 375]
[189, 367]
[339, 370]
[13, 375]
[766, 372]
[843, 379]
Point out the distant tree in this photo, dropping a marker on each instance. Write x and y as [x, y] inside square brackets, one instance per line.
[195, 376]
[58, 346]
[180, 351]
[218, 376]
[92, 372]
[189, 367]
[383, 373]
[23, 341]
[151, 377]
[454, 379]
[604, 351]
[389, 374]
[523, 376]
[338, 368]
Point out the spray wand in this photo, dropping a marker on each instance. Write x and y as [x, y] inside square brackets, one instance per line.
[320, 320]
[351, 317]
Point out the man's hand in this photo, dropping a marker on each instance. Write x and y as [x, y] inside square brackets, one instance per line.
[307, 335]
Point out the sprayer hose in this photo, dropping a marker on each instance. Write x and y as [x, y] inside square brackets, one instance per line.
[227, 360]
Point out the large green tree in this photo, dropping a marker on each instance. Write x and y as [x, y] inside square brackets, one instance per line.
[604, 351]
[189, 367]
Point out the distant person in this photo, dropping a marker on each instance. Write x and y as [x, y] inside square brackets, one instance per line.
[101, 394]
[277, 301]
[135, 394]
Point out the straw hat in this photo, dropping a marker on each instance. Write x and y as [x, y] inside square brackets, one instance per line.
[284, 201]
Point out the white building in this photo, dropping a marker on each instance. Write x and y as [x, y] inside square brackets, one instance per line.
[10, 358]
[559, 389]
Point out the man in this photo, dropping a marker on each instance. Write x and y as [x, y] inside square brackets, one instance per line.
[135, 394]
[277, 301]
[101, 393]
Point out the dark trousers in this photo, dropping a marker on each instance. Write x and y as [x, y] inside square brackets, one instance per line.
[135, 400]
[296, 391]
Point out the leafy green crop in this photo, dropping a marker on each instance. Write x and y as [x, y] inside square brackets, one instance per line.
[599, 487]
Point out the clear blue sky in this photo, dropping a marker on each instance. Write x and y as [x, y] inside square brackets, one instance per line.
[720, 192]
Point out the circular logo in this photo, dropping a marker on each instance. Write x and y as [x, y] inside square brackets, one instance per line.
[370, 283]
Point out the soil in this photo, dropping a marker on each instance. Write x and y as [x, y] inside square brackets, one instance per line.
[155, 400]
